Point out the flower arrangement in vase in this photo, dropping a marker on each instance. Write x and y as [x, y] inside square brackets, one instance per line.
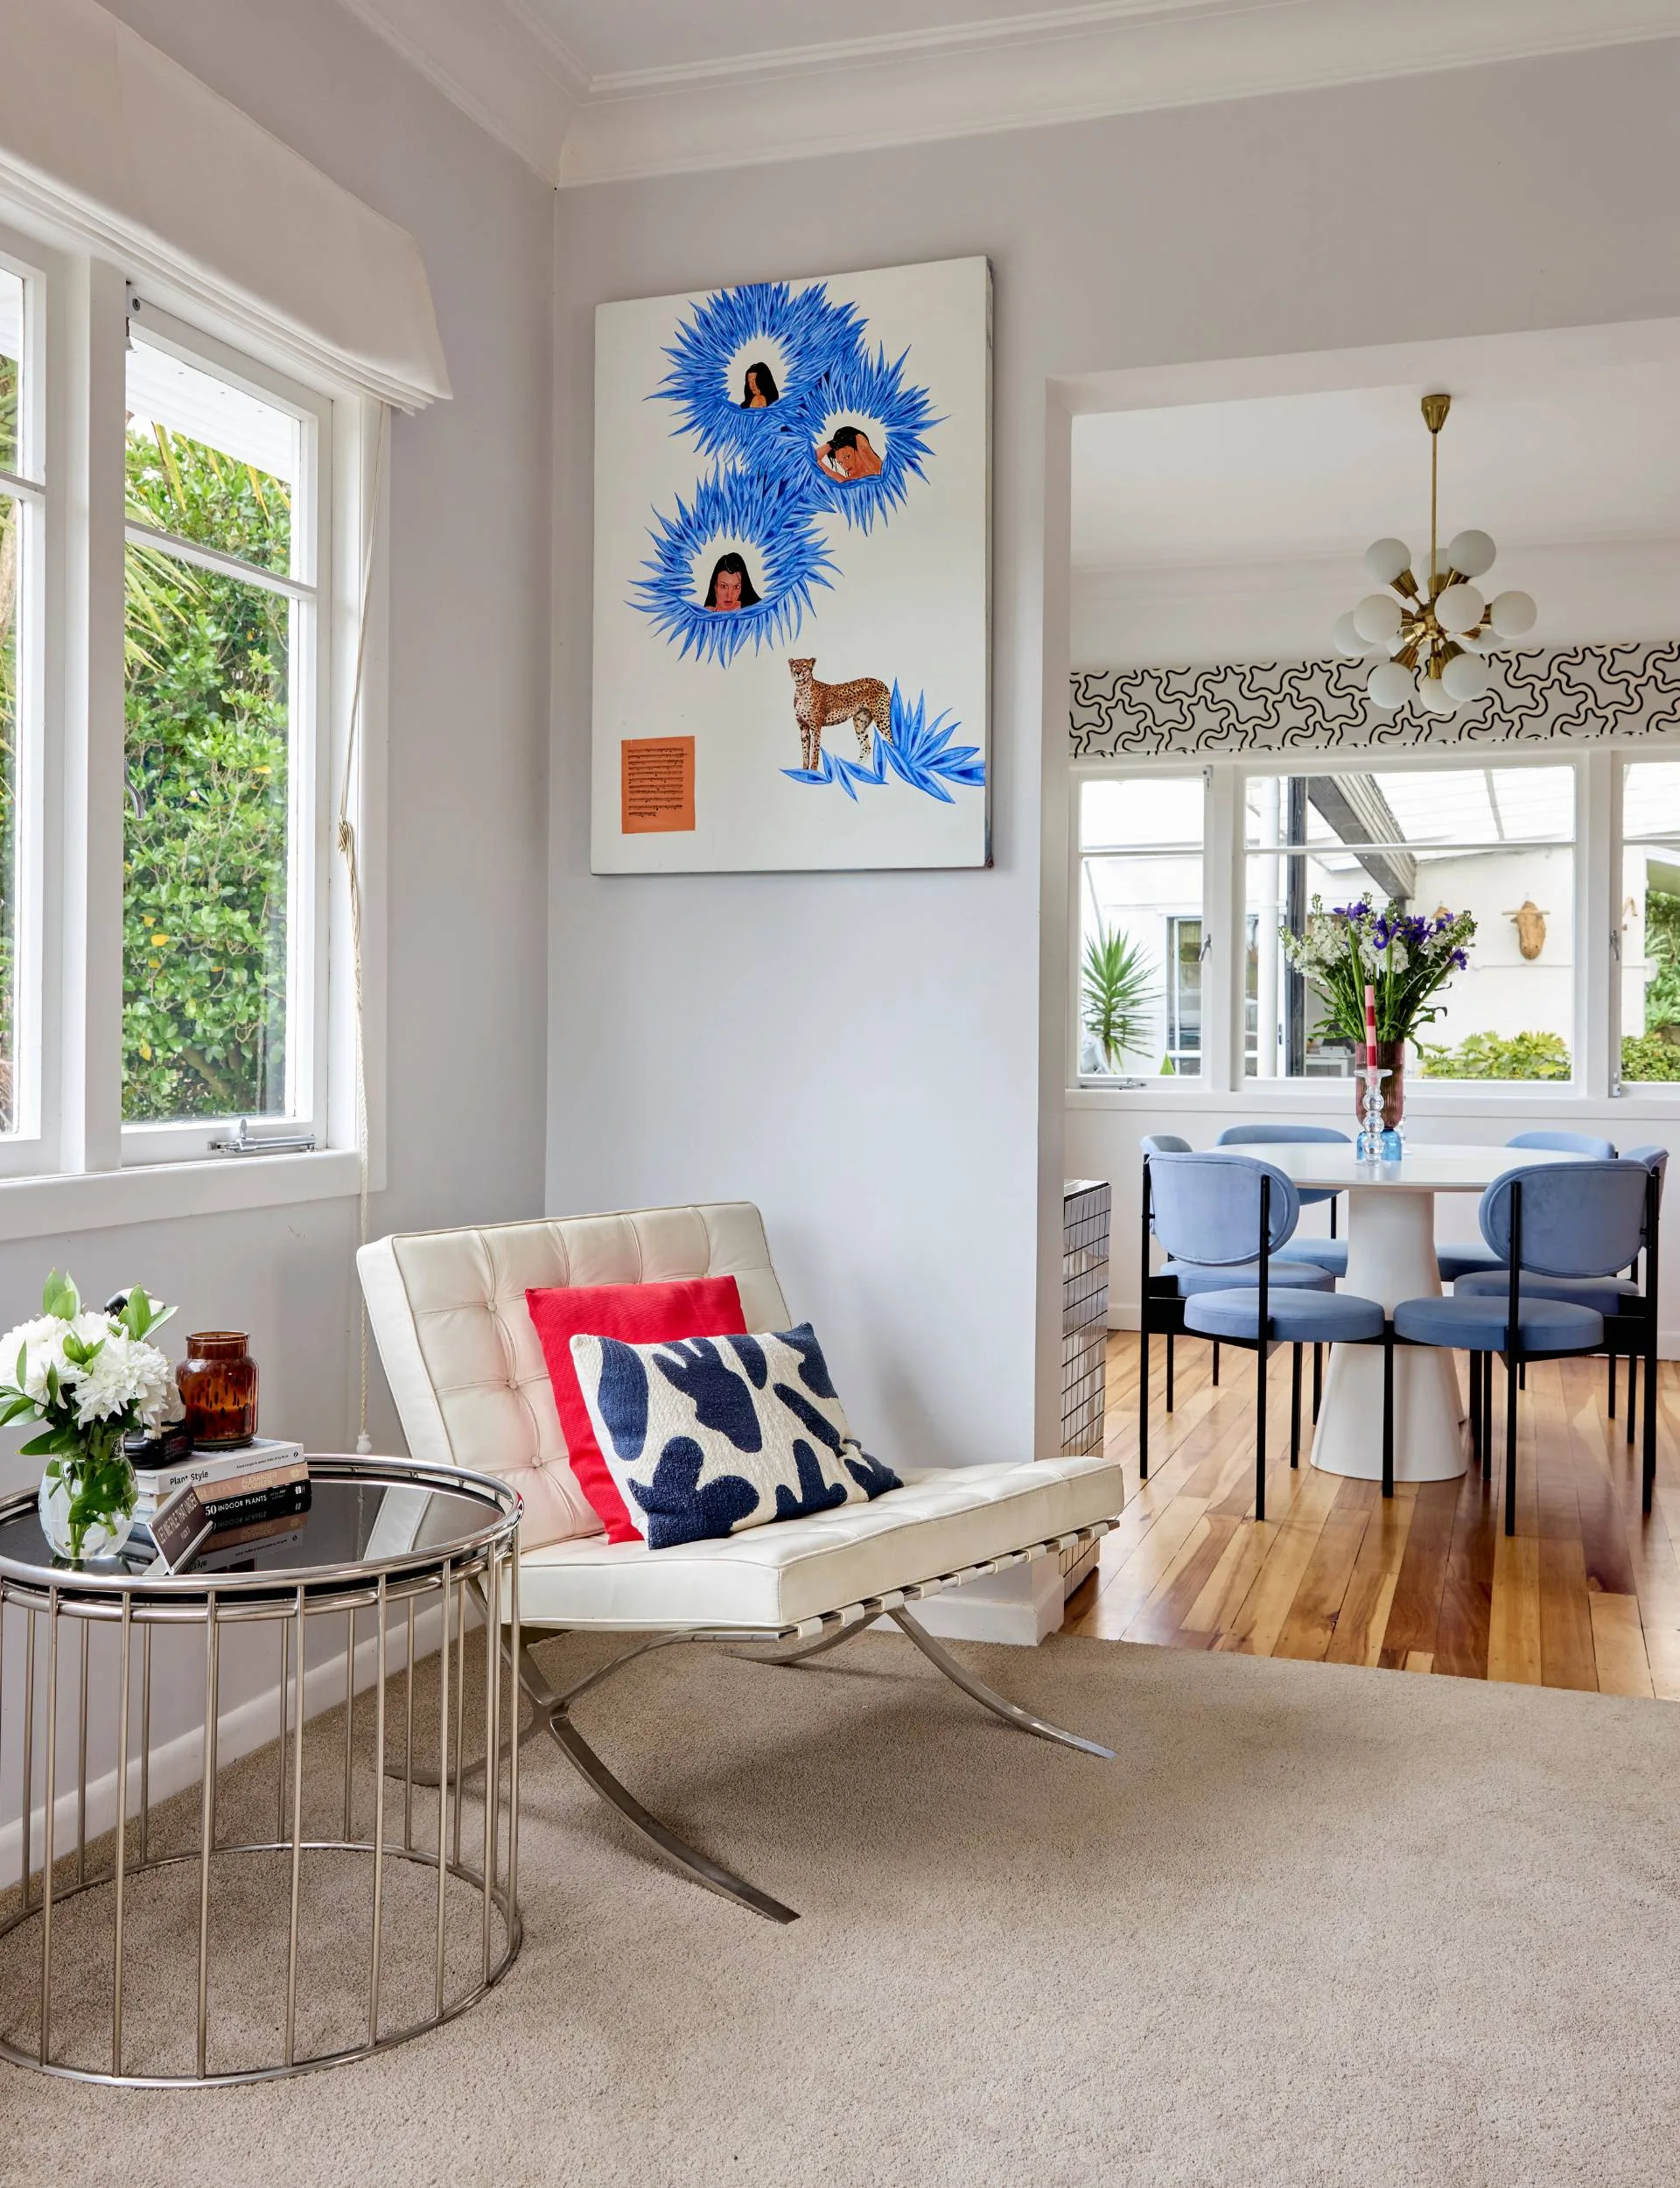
[1401, 957]
[90, 1377]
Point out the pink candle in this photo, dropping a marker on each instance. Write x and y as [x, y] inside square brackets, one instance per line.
[1370, 1025]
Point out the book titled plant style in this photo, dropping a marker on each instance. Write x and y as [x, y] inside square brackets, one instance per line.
[90, 1377]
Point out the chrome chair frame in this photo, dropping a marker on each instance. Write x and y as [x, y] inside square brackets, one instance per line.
[795, 1645]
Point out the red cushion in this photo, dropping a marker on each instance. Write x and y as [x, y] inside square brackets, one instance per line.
[640, 1313]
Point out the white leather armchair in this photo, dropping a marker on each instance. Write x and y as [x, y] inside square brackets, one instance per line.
[448, 1311]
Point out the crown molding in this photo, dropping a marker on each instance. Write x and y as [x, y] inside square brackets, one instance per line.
[505, 65]
[496, 62]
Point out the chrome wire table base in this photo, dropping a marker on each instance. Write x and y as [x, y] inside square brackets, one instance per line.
[256, 1925]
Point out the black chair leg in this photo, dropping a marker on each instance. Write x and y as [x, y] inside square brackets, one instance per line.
[1610, 1397]
[1169, 1370]
[1388, 1414]
[1295, 1407]
[1143, 1394]
[1215, 1363]
[1487, 1417]
[1260, 1352]
[1633, 1391]
[1523, 1375]
[1475, 1404]
[1513, 1382]
[1317, 1381]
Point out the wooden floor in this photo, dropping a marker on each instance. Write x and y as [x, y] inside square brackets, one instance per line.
[1587, 1594]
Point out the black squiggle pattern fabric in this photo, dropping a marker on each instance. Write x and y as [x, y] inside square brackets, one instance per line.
[1564, 695]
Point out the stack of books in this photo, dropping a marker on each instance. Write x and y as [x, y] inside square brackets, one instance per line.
[237, 1497]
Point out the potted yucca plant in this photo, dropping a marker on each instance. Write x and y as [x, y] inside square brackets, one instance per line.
[1117, 996]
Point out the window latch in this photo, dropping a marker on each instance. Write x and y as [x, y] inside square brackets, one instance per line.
[282, 1143]
[1207, 944]
[1615, 943]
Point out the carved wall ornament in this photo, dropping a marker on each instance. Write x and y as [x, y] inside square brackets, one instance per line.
[1531, 922]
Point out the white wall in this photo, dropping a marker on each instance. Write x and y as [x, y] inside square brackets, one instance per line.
[469, 586]
[880, 1061]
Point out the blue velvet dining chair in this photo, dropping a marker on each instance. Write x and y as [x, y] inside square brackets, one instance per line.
[1225, 1217]
[1569, 1221]
[1455, 1261]
[1627, 1305]
[1328, 1253]
[1162, 1292]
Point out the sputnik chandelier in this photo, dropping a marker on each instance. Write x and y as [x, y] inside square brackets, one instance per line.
[1435, 628]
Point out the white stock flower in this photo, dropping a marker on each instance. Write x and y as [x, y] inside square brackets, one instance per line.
[123, 1372]
[41, 1342]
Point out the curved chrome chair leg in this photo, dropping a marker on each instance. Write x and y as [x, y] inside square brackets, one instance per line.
[1022, 1719]
[693, 1863]
[553, 1710]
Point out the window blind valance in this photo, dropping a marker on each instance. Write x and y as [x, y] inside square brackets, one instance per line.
[119, 144]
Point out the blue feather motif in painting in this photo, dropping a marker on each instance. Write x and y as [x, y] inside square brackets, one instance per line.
[814, 334]
[737, 512]
[920, 753]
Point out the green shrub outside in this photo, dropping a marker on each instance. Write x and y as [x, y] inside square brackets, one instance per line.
[1491, 1057]
[203, 940]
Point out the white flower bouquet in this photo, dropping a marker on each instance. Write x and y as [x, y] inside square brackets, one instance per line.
[90, 1377]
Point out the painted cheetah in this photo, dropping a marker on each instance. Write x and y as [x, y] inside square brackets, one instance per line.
[865, 703]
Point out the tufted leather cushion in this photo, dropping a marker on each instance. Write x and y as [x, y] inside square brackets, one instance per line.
[448, 1312]
[943, 1519]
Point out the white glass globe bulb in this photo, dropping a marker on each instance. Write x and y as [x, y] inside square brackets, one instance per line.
[1346, 639]
[1465, 679]
[1390, 685]
[1459, 609]
[1470, 554]
[1434, 698]
[1377, 618]
[1480, 642]
[1513, 614]
[1386, 558]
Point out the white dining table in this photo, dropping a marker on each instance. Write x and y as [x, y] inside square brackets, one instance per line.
[1389, 1228]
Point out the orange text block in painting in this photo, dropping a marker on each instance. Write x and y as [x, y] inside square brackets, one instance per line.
[656, 785]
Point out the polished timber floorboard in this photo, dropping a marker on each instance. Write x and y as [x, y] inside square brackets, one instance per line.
[1587, 1594]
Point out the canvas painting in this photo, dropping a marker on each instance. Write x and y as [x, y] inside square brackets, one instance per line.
[791, 575]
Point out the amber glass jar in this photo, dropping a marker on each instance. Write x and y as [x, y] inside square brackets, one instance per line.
[218, 1383]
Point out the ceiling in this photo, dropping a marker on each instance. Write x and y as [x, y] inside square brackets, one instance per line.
[1233, 530]
[591, 91]
[1534, 459]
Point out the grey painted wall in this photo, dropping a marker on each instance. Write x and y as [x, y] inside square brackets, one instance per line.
[877, 1060]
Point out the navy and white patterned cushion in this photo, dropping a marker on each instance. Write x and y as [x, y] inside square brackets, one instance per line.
[707, 1435]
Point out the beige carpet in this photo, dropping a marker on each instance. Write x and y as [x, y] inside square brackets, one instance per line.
[1315, 1926]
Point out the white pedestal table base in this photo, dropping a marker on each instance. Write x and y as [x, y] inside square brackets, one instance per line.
[1391, 1257]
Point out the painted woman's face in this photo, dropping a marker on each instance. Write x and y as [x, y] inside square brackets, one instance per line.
[726, 595]
[756, 398]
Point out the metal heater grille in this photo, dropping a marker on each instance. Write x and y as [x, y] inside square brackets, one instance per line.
[1085, 1210]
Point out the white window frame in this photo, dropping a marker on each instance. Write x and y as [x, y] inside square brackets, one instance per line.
[30, 1145]
[309, 585]
[1223, 1084]
[74, 1164]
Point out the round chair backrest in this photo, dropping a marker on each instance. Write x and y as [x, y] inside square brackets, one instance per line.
[1577, 1219]
[1207, 1207]
[1166, 1143]
[1281, 1135]
[1581, 1143]
[1655, 1160]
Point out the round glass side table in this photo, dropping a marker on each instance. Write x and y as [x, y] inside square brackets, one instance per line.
[232, 1921]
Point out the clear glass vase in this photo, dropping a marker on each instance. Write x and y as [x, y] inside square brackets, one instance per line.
[86, 1504]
